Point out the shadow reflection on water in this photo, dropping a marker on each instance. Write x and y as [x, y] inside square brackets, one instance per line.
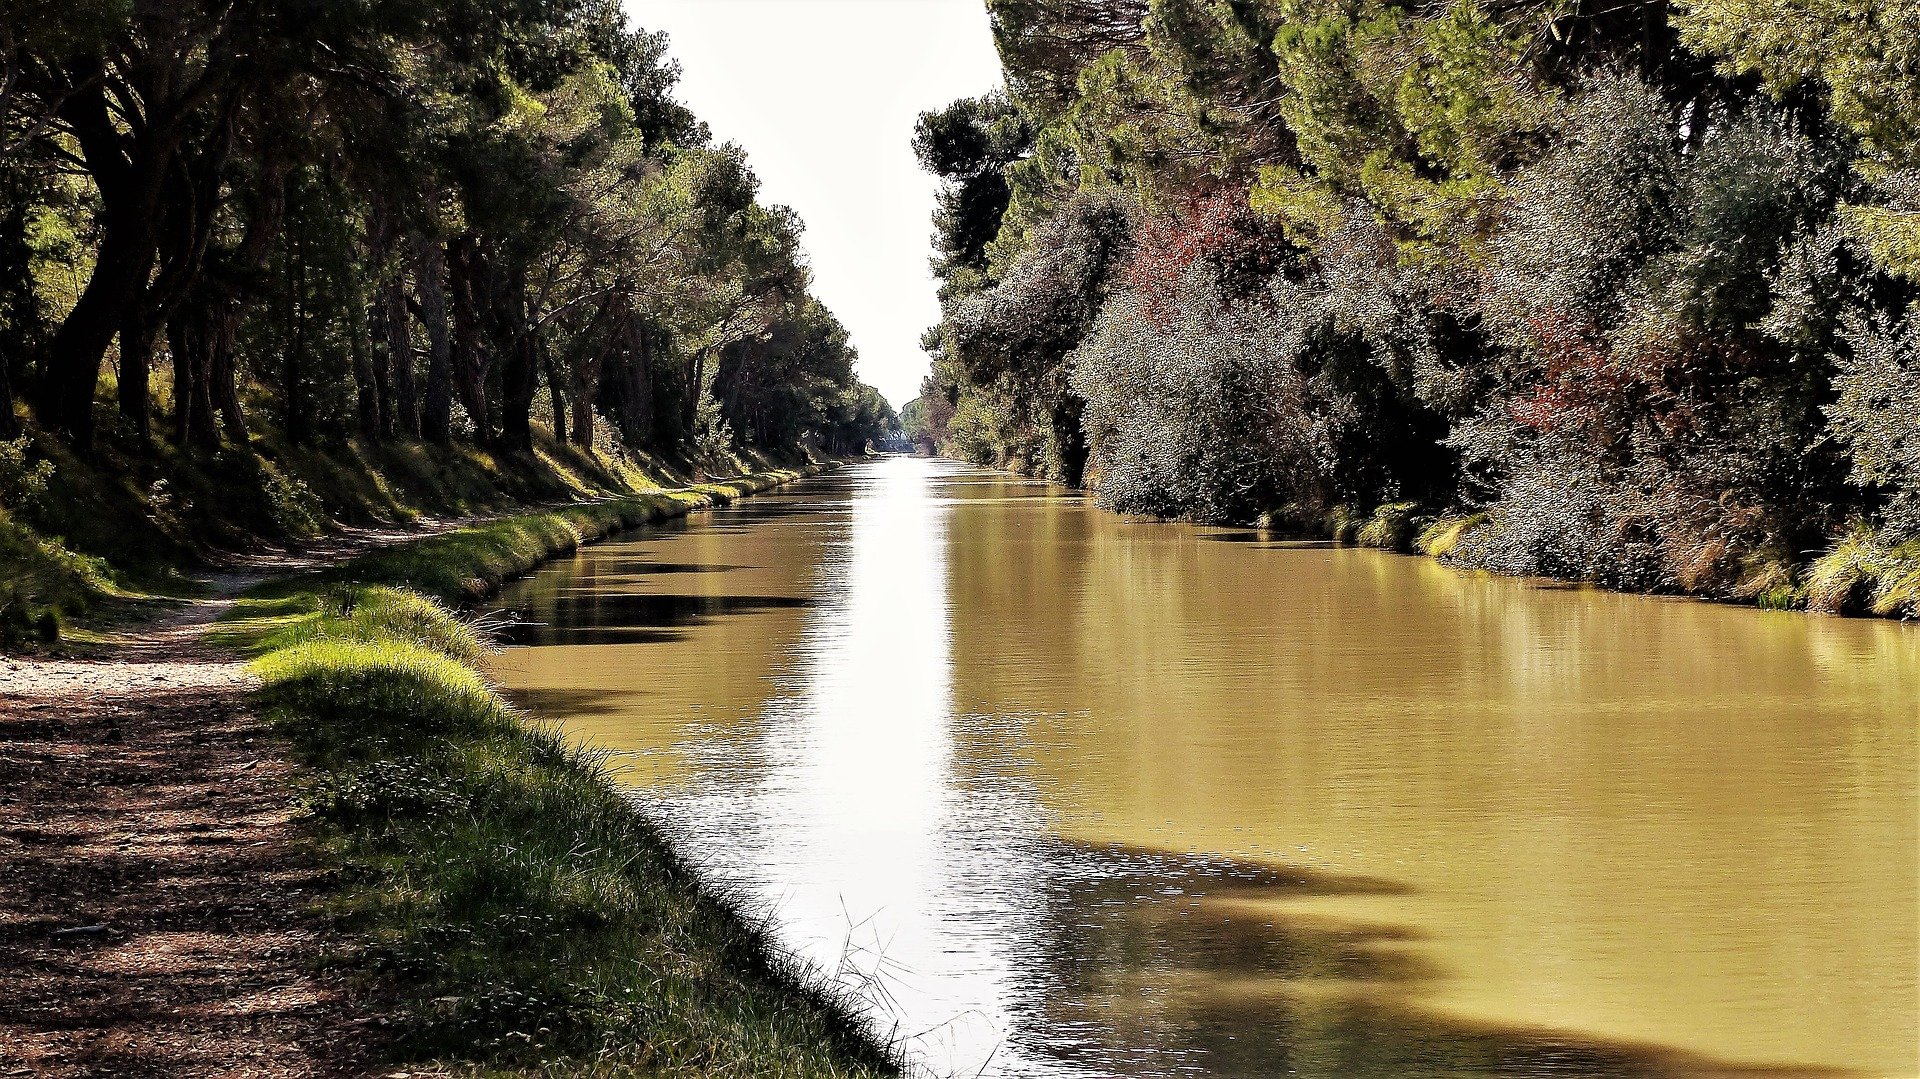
[591, 616]
[1150, 962]
[574, 704]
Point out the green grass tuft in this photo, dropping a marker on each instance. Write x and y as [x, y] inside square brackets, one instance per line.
[1865, 575]
[1393, 527]
[42, 582]
[1439, 539]
[1342, 523]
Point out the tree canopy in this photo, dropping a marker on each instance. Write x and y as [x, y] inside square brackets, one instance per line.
[1633, 284]
[406, 220]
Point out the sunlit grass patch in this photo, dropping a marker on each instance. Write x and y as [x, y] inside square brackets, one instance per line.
[472, 562]
[1865, 575]
[1768, 581]
[1439, 538]
[1343, 523]
[1393, 527]
[516, 909]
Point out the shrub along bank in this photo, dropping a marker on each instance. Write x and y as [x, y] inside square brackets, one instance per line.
[1863, 575]
[1640, 283]
[512, 909]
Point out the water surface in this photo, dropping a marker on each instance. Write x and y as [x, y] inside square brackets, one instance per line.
[1067, 794]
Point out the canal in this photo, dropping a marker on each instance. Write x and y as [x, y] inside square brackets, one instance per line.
[1060, 793]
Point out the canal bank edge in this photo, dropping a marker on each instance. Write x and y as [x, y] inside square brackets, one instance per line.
[1861, 576]
[506, 905]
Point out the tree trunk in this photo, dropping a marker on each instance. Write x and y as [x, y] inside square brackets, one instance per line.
[72, 370]
[519, 382]
[520, 375]
[390, 340]
[553, 389]
[636, 385]
[430, 282]
[223, 379]
[368, 348]
[137, 332]
[191, 339]
[586, 383]
[190, 209]
[130, 174]
[366, 385]
[9, 426]
[697, 373]
[19, 309]
[469, 358]
[294, 359]
[405, 417]
[202, 334]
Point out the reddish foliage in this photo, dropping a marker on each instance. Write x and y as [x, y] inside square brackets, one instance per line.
[1585, 387]
[1217, 227]
[1579, 381]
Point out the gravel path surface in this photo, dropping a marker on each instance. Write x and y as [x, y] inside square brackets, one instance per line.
[156, 886]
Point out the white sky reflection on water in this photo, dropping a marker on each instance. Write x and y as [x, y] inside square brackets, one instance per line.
[859, 784]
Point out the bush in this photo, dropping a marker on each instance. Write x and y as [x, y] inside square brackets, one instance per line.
[21, 483]
[295, 509]
[1877, 414]
[40, 582]
[1198, 408]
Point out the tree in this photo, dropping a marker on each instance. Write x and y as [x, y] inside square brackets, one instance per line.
[1627, 282]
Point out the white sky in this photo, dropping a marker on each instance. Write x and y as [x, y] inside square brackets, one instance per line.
[823, 95]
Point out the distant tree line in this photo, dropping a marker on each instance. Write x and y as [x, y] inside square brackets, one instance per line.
[1630, 287]
[411, 219]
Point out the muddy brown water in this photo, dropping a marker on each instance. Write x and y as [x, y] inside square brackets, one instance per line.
[1059, 793]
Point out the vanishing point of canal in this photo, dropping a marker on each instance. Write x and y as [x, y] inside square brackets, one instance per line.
[1061, 793]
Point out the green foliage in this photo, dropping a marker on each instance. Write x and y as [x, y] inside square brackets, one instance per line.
[1394, 527]
[1877, 414]
[102, 535]
[42, 582]
[1441, 537]
[1198, 406]
[969, 145]
[397, 225]
[296, 510]
[21, 483]
[1342, 523]
[1018, 333]
[1861, 54]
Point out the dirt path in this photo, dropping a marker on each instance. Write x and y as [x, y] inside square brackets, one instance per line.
[155, 883]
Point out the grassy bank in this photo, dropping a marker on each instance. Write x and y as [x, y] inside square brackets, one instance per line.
[515, 913]
[83, 540]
